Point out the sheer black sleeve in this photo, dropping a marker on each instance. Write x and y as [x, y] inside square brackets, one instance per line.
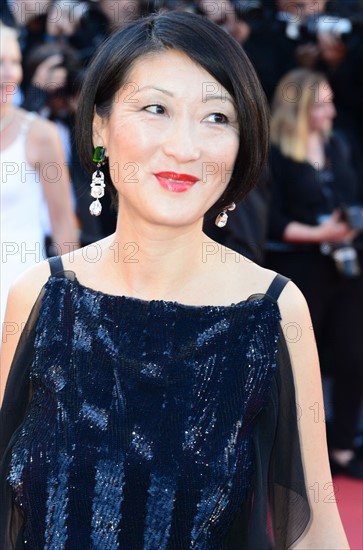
[18, 393]
[278, 511]
[280, 490]
[16, 399]
[289, 503]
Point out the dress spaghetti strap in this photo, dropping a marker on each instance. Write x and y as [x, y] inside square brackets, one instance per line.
[56, 266]
[276, 287]
[28, 119]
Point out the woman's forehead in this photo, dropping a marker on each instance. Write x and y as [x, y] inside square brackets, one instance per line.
[165, 63]
[175, 72]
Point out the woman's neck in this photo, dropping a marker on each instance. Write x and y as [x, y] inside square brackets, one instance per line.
[315, 153]
[164, 261]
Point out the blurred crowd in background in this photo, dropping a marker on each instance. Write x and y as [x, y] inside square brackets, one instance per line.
[304, 219]
[58, 38]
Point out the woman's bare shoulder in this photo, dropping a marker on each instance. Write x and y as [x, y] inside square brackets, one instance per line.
[249, 278]
[291, 301]
[246, 276]
[22, 296]
[26, 288]
[41, 128]
[44, 137]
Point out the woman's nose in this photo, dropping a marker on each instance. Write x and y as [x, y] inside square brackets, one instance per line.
[182, 140]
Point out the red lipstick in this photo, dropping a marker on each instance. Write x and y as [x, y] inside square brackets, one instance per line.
[176, 182]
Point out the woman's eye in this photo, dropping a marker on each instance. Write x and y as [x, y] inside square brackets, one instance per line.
[155, 109]
[220, 118]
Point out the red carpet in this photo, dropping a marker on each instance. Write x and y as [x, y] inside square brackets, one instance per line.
[349, 497]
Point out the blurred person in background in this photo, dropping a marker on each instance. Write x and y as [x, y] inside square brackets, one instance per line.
[29, 17]
[32, 167]
[55, 75]
[340, 57]
[81, 24]
[315, 216]
[278, 44]
[225, 15]
[48, 70]
[85, 25]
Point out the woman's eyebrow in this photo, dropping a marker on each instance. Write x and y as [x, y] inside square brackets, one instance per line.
[223, 98]
[156, 88]
[208, 97]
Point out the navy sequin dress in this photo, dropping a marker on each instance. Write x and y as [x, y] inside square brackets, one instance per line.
[149, 425]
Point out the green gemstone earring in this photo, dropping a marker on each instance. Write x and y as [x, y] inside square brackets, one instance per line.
[98, 181]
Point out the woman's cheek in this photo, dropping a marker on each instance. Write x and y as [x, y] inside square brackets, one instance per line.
[225, 152]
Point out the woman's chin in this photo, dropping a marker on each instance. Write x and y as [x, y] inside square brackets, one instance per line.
[174, 218]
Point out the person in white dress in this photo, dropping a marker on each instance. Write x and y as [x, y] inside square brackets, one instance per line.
[32, 168]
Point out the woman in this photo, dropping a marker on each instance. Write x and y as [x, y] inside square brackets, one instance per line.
[312, 240]
[162, 420]
[33, 169]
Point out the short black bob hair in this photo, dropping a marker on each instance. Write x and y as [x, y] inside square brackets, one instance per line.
[207, 45]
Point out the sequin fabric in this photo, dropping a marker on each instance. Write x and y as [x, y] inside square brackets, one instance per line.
[139, 432]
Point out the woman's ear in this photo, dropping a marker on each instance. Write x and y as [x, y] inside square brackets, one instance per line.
[99, 130]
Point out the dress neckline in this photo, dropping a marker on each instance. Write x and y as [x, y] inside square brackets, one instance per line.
[253, 298]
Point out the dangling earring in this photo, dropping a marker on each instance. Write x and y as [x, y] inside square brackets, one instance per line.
[222, 218]
[98, 181]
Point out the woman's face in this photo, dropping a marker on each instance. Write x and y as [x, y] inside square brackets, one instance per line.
[322, 111]
[172, 139]
[10, 66]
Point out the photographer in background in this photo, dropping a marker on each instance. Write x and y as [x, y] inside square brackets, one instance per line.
[85, 24]
[224, 14]
[315, 216]
[340, 43]
[49, 70]
[277, 44]
[322, 36]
